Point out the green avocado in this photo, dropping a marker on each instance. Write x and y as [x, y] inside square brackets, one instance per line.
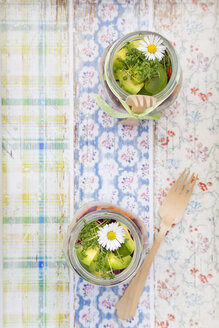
[128, 247]
[116, 263]
[127, 83]
[156, 84]
[133, 44]
[121, 54]
[90, 255]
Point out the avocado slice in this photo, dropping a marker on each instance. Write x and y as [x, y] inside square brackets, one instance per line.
[156, 84]
[128, 247]
[127, 83]
[117, 263]
[122, 55]
[91, 254]
[134, 44]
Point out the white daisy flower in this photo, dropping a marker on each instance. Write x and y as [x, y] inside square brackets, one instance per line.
[111, 236]
[152, 47]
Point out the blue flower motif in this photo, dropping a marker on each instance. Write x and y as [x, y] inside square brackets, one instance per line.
[192, 299]
[193, 117]
[172, 255]
[193, 27]
[193, 207]
[172, 163]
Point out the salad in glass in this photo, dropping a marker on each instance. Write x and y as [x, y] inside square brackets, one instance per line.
[105, 245]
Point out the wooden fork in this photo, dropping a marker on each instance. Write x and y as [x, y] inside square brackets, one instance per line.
[139, 103]
[171, 212]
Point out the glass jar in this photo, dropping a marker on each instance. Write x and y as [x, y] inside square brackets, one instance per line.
[113, 91]
[94, 212]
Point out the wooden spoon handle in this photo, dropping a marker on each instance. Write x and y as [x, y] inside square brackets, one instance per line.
[127, 305]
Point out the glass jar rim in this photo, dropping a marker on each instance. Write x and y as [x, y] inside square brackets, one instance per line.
[74, 262]
[118, 44]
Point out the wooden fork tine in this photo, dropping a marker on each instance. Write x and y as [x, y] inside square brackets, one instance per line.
[141, 100]
[181, 185]
[138, 102]
[192, 187]
[188, 184]
[131, 101]
[177, 181]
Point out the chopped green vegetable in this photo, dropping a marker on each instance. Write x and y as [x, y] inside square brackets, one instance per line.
[97, 259]
[132, 68]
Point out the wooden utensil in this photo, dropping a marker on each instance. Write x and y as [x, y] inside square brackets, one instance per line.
[139, 103]
[171, 212]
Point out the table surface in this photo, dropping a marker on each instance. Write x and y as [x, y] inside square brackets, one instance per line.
[40, 85]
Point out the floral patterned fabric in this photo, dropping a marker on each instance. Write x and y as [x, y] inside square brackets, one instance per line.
[186, 267]
[113, 161]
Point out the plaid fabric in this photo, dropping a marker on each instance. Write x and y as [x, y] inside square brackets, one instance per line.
[34, 60]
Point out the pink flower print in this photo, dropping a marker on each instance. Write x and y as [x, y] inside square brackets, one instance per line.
[88, 23]
[87, 103]
[101, 91]
[88, 50]
[106, 120]
[107, 142]
[194, 90]
[127, 132]
[108, 169]
[206, 6]
[161, 194]
[194, 271]
[89, 156]
[203, 278]
[108, 194]
[193, 323]
[143, 142]
[88, 182]
[143, 195]
[88, 129]
[201, 245]
[193, 49]
[127, 156]
[200, 155]
[204, 97]
[127, 182]
[163, 324]
[107, 302]
[198, 64]
[129, 203]
[108, 323]
[202, 186]
[166, 292]
[107, 35]
[171, 133]
[172, 111]
[145, 304]
[88, 315]
[107, 12]
[86, 290]
[143, 168]
[125, 22]
[164, 141]
[88, 77]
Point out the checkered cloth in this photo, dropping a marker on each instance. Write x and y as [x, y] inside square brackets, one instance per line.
[34, 61]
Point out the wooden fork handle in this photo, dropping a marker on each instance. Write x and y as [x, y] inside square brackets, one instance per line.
[127, 305]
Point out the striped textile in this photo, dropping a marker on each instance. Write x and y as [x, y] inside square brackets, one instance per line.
[35, 97]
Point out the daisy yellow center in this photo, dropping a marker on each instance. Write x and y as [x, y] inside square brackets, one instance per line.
[152, 48]
[111, 235]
